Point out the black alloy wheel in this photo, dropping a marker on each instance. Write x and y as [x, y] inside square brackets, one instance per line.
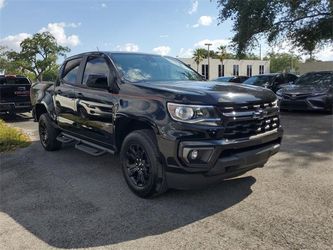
[43, 135]
[138, 165]
[142, 168]
[48, 133]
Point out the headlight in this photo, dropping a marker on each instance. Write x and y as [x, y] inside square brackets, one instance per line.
[278, 95]
[275, 104]
[198, 114]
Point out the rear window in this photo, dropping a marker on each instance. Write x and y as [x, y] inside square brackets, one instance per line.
[14, 80]
[316, 78]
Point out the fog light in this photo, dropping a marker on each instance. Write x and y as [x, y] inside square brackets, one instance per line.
[194, 154]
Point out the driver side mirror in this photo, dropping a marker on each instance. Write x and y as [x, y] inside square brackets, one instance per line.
[97, 81]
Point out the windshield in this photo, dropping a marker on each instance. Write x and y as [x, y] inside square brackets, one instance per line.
[223, 79]
[259, 80]
[142, 67]
[316, 79]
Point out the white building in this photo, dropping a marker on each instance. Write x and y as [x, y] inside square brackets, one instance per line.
[230, 67]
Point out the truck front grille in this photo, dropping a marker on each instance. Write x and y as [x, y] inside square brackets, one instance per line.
[246, 121]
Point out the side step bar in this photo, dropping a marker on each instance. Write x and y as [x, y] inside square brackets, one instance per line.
[64, 139]
[83, 145]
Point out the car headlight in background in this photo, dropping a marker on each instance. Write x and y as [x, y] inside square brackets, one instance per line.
[278, 95]
[195, 114]
[275, 103]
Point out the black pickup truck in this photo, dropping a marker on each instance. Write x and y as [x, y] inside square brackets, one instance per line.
[14, 94]
[171, 128]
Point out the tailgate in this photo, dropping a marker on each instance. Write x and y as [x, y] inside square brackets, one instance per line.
[14, 93]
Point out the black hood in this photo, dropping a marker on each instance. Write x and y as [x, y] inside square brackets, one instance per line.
[304, 90]
[212, 92]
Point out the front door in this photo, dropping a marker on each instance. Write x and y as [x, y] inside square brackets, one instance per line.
[95, 103]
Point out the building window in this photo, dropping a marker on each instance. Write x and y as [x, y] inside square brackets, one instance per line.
[261, 69]
[249, 70]
[221, 70]
[204, 70]
[236, 70]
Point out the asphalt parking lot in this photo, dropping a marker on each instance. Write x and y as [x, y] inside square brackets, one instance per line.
[68, 199]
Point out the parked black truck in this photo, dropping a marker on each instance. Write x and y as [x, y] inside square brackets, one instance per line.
[14, 94]
[171, 128]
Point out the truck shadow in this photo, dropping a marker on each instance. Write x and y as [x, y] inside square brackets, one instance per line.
[17, 118]
[72, 200]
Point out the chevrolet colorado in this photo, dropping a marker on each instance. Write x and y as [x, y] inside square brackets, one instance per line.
[171, 128]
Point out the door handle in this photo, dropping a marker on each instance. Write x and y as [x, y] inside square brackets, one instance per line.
[59, 92]
[80, 95]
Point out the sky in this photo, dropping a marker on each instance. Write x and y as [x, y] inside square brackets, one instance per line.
[167, 27]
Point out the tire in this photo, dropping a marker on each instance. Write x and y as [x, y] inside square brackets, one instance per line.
[141, 166]
[12, 113]
[48, 134]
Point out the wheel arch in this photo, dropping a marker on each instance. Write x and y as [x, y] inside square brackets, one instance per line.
[126, 125]
[39, 109]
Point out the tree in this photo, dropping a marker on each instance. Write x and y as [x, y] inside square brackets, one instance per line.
[7, 66]
[198, 56]
[52, 73]
[283, 62]
[250, 56]
[307, 24]
[3, 58]
[222, 53]
[38, 54]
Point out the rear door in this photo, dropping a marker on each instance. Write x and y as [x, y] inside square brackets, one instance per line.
[64, 95]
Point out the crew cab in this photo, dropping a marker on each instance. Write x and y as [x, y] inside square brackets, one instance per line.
[170, 127]
[14, 94]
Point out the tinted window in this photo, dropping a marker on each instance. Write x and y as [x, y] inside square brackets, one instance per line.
[259, 80]
[290, 78]
[153, 68]
[279, 80]
[96, 66]
[14, 80]
[71, 71]
[224, 79]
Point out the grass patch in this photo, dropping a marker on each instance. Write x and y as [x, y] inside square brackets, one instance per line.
[11, 138]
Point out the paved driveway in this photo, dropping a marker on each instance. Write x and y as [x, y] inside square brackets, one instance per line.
[68, 199]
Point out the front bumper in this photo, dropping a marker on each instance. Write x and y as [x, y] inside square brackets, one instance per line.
[15, 107]
[309, 103]
[228, 159]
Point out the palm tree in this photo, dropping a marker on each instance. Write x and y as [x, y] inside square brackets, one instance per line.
[222, 53]
[198, 56]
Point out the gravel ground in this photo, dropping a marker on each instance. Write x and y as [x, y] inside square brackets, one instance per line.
[68, 199]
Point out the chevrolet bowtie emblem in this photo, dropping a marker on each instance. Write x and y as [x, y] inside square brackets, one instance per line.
[259, 114]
